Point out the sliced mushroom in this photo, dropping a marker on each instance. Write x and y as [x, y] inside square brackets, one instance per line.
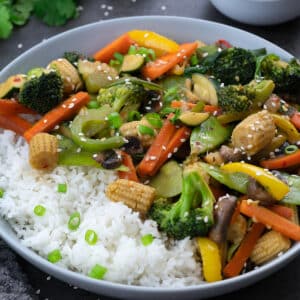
[257, 192]
[223, 213]
[109, 159]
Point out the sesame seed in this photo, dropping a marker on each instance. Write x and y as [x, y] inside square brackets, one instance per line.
[169, 155]
[182, 140]
[106, 13]
[95, 155]
[20, 46]
[164, 147]
[146, 35]
[147, 181]
[48, 278]
[204, 54]
[78, 150]
[71, 105]
[64, 106]
[79, 8]
[83, 139]
[153, 157]
[110, 7]
[109, 78]
[163, 7]
[56, 127]
[38, 291]
[175, 150]
[45, 121]
[103, 6]
[205, 219]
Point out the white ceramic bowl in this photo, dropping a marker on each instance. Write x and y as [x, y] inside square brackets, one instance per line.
[93, 37]
[259, 12]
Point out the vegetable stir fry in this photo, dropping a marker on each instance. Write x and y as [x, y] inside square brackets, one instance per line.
[204, 139]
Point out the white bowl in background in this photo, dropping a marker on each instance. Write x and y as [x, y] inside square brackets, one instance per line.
[92, 37]
[259, 12]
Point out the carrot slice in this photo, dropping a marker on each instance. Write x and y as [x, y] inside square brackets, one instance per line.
[282, 162]
[12, 107]
[147, 165]
[163, 64]
[295, 119]
[179, 104]
[212, 109]
[64, 111]
[131, 174]
[271, 219]
[14, 123]
[236, 264]
[120, 44]
[282, 210]
[176, 141]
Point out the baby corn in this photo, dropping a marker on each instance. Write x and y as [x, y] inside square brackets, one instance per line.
[43, 152]
[135, 195]
[269, 246]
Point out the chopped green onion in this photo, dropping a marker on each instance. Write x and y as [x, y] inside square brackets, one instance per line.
[119, 57]
[142, 129]
[194, 60]
[154, 119]
[132, 50]
[62, 187]
[290, 149]
[54, 256]
[93, 104]
[147, 239]
[133, 116]
[98, 272]
[91, 237]
[114, 120]
[1, 193]
[114, 63]
[74, 221]
[39, 210]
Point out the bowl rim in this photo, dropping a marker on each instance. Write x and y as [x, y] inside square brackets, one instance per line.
[60, 272]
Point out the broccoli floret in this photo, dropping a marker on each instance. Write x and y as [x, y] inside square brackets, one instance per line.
[234, 65]
[74, 56]
[234, 98]
[286, 76]
[42, 93]
[185, 218]
[121, 96]
[239, 98]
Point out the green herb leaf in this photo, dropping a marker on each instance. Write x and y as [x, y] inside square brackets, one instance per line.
[5, 24]
[55, 12]
[21, 11]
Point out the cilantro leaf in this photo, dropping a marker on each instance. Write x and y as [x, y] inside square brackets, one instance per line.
[5, 24]
[20, 11]
[55, 12]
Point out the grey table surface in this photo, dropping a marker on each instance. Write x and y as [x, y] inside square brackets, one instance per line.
[19, 279]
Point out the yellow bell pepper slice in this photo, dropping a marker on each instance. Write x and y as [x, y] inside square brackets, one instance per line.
[287, 127]
[149, 39]
[211, 259]
[272, 184]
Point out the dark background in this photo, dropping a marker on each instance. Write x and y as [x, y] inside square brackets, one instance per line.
[282, 285]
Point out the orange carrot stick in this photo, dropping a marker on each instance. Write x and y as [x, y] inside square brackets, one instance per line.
[120, 44]
[131, 174]
[180, 136]
[12, 107]
[295, 119]
[282, 162]
[64, 111]
[147, 165]
[179, 104]
[163, 64]
[282, 210]
[236, 264]
[14, 123]
[212, 109]
[269, 218]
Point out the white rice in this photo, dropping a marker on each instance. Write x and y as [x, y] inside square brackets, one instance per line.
[119, 229]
